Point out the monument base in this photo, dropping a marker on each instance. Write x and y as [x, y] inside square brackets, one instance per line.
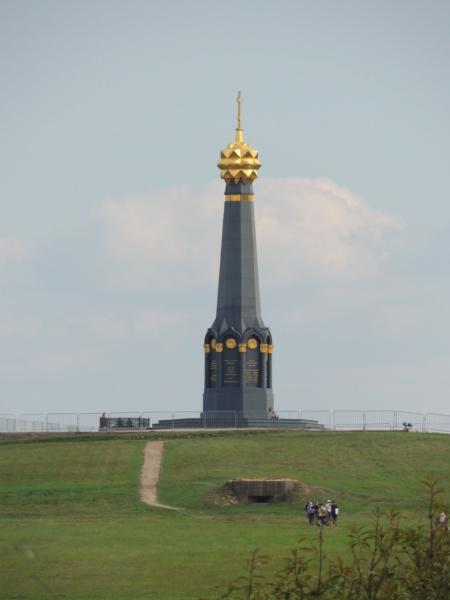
[236, 421]
[253, 402]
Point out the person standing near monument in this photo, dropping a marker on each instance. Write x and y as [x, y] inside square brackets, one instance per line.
[334, 511]
[322, 515]
[328, 509]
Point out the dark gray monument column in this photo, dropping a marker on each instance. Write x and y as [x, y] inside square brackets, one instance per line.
[263, 365]
[238, 373]
[207, 348]
[219, 358]
[269, 366]
[242, 357]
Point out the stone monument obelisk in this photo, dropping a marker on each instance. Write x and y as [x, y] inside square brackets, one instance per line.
[238, 346]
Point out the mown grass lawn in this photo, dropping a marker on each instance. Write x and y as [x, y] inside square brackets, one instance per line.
[71, 517]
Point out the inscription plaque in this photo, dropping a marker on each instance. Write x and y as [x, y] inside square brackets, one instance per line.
[252, 369]
[213, 371]
[230, 374]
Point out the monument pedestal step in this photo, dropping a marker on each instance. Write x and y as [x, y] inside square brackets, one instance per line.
[241, 423]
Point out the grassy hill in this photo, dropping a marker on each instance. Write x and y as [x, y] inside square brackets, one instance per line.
[71, 515]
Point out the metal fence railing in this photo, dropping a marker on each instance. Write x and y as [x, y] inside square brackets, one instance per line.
[348, 419]
[309, 417]
[338, 420]
[379, 420]
[436, 423]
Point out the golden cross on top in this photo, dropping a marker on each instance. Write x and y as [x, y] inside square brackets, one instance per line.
[239, 101]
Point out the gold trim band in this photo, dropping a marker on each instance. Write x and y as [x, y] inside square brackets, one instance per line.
[238, 197]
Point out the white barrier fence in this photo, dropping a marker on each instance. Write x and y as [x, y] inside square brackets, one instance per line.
[339, 420]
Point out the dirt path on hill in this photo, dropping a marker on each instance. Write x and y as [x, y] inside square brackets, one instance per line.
[151, 468]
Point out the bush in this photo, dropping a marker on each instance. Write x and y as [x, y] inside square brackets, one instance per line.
[391, 558]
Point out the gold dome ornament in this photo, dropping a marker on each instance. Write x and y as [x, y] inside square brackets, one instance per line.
[238, 162]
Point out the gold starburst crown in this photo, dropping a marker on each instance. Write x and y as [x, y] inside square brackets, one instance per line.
[238, 162]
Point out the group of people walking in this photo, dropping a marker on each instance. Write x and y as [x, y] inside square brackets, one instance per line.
[322, 514]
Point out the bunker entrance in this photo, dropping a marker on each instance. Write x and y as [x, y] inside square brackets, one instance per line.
[260, 491]
[260, 499]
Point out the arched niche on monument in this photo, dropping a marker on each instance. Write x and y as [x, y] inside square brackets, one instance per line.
[268, 373]
[210, 362]
[230, 364]
[252, 362]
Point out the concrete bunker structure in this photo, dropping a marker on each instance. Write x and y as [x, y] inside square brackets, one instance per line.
[260, 491]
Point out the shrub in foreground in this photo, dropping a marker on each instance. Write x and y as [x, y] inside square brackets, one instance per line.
[391, 558]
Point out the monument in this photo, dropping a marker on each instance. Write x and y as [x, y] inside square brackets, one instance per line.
[238, 346]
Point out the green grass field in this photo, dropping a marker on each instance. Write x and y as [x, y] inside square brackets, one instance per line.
[71, 517]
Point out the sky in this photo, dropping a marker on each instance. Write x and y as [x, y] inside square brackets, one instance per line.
[112, 118]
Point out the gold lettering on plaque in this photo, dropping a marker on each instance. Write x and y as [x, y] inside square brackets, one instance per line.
[252, 372]
[230, 375]
[252, 376]
[212, 371]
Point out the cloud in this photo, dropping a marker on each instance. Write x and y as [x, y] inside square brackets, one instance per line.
[320, 230]
[14, 249]
[161, 240]
[142, 322]
[27, 327]
[167, 245]
[66, 361]
[155, 321]
[306, 229]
